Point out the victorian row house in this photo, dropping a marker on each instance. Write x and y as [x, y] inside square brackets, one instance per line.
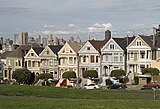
[69, 59]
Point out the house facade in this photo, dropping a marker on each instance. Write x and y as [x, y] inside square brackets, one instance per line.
[139, 55]
[49, 60]
[14, 60]
[32, 60]
[113, 56]
[90, 57]
[68, 57]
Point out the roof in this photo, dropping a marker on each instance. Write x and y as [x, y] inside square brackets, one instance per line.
[18, 53]
[124, 42]
[38, 50]
[75, 46]
[98, 44]
[55, 48]
[4, 55]
[148, 40]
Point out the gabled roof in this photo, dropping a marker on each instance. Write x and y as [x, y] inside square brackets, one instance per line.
[18, 53]
[124, 42]
[98, 44]
[38, 50]
[55, 48]
[75, 46]
[148, 40]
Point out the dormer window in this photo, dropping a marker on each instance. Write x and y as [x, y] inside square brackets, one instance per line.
[139, 43]
[111, 46]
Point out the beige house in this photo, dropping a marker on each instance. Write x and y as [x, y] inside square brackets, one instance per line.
[68, 56]
[49, 60]
[32, 60]
[140, 54]
[14, 60]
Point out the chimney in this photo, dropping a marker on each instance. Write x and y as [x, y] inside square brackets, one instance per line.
[107, 34]
[154, 37]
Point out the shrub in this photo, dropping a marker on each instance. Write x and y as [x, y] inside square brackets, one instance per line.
[151, 71]
[69, 74]
[108, 82]
[45, 76]
[23, 76]
[117, 73]
[90, 73]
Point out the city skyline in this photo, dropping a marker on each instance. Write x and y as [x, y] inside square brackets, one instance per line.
[78, 17]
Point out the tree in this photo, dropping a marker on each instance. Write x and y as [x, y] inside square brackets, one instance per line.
[117, 73]
[45, 76]
[151, 71]
[90, 73]
[23, 76]
[69, 74]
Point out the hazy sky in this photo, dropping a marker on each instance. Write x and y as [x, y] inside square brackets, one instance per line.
[77, 17]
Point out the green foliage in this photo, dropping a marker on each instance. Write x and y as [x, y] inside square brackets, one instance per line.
[108, 82]
[90, 73]
[117, 73]
[23, 76]
[136, 81]
[45, 76]
[151, 71]
[69, 74]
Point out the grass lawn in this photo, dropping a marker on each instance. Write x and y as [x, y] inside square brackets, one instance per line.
[35, 97]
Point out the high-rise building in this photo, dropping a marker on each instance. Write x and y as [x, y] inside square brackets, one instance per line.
[21, 39]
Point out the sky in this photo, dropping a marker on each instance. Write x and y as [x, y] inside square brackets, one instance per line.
[64, 18]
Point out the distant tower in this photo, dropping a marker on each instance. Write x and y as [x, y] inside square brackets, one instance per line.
[21, 39]
[107, 34]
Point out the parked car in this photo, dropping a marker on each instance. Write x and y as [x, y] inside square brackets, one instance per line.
[146, 88]
[117, 86]
[153, 85]
[91, 86]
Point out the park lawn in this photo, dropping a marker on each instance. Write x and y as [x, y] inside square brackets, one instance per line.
[33, 97]
[58, 103]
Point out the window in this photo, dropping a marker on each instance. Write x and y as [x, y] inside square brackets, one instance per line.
[142, 54]
[32, 54]
[142, 67]
[19, 63]
[51, 62]
[38, 64]
[70, 60]
[74, 60]
[96, 59]
[121, 58]
[47, 52]
[107, 57]
[84, 58]
[139, 43]
[115, 58]
[29, 63]
[132, 55]
[88, 48]
[92, 58]
[33, 63]
[63, 60]
[9, 62]
[67, 50]
[5, 73]
[111, 46]
[55, 62]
